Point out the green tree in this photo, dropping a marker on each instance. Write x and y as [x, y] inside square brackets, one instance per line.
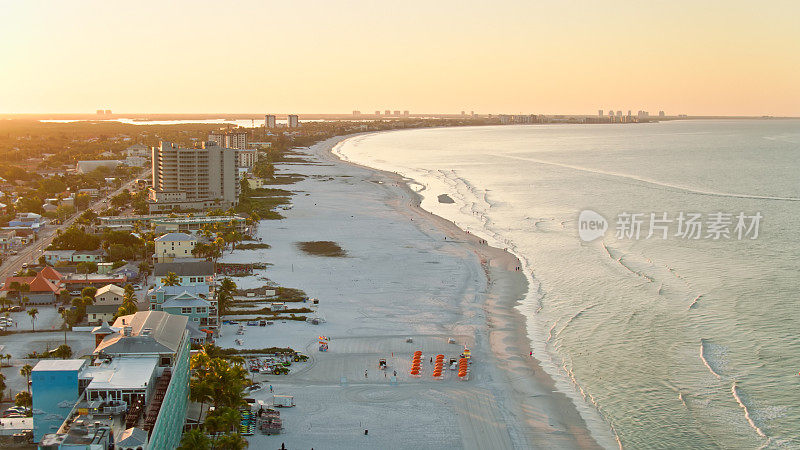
[225, 293]
[33, 312]
[63, 351]
[200, 391]
[23, 399]
[26, 371]
[89, 291]
[87, 217]
[144, 268]
[195, 440]
[172, 279]
[232, 441]
[14, 287]
[75, 238]
[82, 201]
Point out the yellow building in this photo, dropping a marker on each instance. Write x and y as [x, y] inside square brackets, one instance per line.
[174, 245]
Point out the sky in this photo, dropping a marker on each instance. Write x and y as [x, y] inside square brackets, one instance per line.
[529, 56]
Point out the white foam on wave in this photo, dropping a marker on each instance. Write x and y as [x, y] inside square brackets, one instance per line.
[737, 396]
[703, 357]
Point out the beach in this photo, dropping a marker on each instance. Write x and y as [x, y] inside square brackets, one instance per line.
[408, 274]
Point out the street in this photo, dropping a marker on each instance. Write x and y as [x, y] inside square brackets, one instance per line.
[31, 252]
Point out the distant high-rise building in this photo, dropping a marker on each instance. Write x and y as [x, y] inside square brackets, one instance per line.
[629, 113]
[387, 113]
[405, 113]
[234, 139]
[377, 113]
[356, 112]
[293, 121]
[463, 113]
[472, 113]
[661, 114]
[611, 113]
[100, 112]
[600, 113]
[269, 121]
[107, 112]
[397, 113]
[619, 113]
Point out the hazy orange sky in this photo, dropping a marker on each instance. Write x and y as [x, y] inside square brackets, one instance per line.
[572, 57]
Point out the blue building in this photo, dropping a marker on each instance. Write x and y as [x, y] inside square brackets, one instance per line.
[56, 387]
[196, 302]
[132, 394]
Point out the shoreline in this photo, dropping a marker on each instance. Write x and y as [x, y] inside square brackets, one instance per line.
[542, 416]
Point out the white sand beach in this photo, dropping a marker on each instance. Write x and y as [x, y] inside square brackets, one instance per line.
[401, 278]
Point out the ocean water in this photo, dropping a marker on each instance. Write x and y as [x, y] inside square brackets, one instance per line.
[668, 343]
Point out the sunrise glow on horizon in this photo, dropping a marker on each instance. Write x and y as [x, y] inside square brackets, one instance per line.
[696, 58]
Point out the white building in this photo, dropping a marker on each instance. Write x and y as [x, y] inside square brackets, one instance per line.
[269, 121]
[88, 166]
[248, 158]
[194, 178]
[294, 121]
[235, 139]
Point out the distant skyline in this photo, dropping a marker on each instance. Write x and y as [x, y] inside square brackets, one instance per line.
[575, 57]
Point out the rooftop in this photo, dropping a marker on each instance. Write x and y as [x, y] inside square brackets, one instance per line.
[57, 365]
[184, 300]
[122, 373]
[150, 332]
[169, 237]
[110, 288]
[184, 268]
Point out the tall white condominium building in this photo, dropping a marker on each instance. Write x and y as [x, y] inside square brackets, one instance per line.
[229, 139]
[269, 121]
[294, 121]
[248, 158]
[194, 178]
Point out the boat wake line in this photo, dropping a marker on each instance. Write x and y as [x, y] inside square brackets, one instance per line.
[652, 182]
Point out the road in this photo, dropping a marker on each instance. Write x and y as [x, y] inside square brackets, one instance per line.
[31, 252]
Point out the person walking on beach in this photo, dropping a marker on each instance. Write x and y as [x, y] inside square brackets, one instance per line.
[365, 373]
[270, 388]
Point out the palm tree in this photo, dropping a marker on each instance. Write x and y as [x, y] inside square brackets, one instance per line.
[195, 440]
[26, 371]
[23, 302]
[231, 419]
[225, 294]
[172, 279]
[200, 391]
[144, 268]
[25, 287]
[2, 385]
[33, 312]
[233, 441]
